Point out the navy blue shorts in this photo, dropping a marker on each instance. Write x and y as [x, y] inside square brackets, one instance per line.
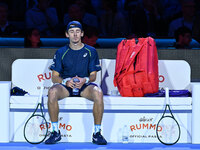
[81, 89]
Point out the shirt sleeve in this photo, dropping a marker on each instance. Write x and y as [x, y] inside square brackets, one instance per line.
[57, 63]
[94, 64]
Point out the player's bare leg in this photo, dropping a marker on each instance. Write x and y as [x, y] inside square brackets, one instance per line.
[55, 93]
[95, 94]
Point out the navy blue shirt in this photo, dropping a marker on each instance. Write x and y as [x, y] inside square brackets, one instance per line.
[70, 63]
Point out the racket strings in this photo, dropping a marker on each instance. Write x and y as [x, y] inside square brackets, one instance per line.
[35, 129]
[169, 130]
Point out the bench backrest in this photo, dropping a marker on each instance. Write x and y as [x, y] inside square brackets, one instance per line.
[31, 74]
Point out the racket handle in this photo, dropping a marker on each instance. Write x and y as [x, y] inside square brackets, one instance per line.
[41, 93]
[167, 95]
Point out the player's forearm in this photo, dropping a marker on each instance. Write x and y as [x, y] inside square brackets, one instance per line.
[92, 77]
[56, 79]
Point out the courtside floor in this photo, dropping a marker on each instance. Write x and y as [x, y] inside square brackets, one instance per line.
[90, 146]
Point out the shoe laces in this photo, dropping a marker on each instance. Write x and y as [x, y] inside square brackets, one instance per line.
[53, 133]
[99, 134]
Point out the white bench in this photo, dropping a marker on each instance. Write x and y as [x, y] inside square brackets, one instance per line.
[76, 120]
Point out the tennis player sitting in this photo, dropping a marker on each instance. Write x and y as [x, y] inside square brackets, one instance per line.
[75, 62]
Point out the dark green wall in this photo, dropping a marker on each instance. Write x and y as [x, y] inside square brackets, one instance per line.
[8, 55]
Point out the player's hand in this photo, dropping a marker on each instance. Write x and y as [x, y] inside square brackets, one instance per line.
[80, 84]
[70, 83]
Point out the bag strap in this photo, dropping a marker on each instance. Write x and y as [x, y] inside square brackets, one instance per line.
[133, 55]
[122, 51]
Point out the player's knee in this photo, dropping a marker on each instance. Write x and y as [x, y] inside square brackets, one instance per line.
[98, 94]
[52, 93]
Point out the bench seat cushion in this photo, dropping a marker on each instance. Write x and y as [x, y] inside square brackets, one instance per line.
[110, 102]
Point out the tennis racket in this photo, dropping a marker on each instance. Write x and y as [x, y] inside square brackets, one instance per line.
[36, 127]
[168, 130]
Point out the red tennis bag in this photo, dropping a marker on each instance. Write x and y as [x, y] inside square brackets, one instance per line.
[136, 69]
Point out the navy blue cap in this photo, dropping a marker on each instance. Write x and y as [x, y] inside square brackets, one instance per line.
[74, 24]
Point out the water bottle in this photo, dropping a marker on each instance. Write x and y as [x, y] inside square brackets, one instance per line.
[125, 134]
[75, 91]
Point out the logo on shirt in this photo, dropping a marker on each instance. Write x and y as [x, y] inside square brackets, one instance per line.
[52, 64]
[54, 57]
[98, 66]
[85, 55]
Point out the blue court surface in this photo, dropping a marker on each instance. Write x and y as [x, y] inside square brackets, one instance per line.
[90, 146]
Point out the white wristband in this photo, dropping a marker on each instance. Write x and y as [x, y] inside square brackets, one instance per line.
[87, 80]
[65, 80]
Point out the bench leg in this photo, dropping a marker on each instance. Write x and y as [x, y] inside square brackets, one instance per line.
[5, 87]
[195, 113]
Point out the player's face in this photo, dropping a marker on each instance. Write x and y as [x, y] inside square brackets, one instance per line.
[74, 35]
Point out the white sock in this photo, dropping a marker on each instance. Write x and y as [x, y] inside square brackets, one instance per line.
[55, 126]
[97, 128]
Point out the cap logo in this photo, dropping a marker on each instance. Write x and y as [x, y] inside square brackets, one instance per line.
[74, 24]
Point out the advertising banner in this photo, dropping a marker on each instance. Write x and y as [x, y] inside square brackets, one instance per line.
[78, 127]
[31, 74]
[170, 75]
